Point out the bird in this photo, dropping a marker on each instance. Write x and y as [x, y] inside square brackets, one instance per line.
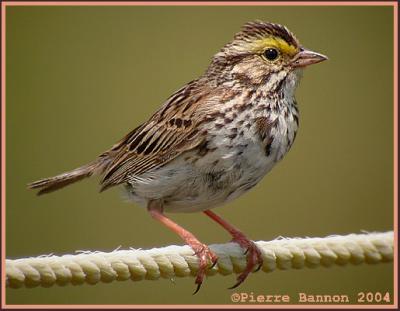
[212, 140]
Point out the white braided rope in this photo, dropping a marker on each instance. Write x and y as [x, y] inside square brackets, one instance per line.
[179, 261]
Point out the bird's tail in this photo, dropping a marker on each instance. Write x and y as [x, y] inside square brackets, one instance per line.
[50, 184]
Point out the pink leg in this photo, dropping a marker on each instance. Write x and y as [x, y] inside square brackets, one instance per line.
[201, 250]
[254, 257]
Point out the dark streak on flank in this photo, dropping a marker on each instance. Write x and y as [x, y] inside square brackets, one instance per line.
[296, 119]
[264, 126]
[268, 146]
[227, 120]
[240, 108]
[232, 136]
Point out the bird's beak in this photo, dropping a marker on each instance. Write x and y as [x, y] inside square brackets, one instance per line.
[307, 57]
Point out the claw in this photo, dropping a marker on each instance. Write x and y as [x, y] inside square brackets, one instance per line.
[197, 289]
[214, 263]
[253, 259]
[204, 254]
[236, 284]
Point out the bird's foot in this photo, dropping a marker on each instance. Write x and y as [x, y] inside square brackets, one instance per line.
[201, 250]
[254, 257]
[205, 255]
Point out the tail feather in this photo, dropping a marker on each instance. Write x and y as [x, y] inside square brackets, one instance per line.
[50, 184]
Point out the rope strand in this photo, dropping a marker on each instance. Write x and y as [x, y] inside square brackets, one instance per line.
[179, 261]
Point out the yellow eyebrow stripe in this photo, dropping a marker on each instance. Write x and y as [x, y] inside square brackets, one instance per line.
[260, 45]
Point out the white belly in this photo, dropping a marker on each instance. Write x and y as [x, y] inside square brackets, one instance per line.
[228, 170]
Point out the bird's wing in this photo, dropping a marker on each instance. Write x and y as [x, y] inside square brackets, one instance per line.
[172, 130]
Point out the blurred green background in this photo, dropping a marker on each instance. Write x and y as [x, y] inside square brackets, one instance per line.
[80, 78]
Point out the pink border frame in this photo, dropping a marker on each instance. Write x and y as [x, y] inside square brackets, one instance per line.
[393, 4]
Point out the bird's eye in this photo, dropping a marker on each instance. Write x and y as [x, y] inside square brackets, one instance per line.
[271, 54]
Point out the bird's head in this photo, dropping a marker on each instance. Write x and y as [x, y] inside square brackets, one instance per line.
[263, 53]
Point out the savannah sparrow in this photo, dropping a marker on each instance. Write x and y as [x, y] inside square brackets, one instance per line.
[212, 140]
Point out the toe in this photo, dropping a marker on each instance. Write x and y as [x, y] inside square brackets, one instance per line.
[198, 286]
[204, 255]
[254, 259]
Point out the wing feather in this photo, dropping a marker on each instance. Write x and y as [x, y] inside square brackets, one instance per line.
[172, 130]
